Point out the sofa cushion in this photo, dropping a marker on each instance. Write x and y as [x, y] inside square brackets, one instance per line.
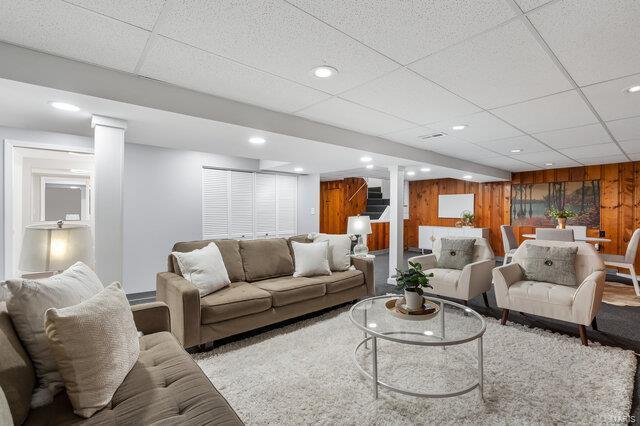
[455, 253]
[229, 249]
[555, 265]
[165, 386]
[444, 281]
[236, 300]
[339, 281]
[264, 259]
[547, 293]
[288, 290]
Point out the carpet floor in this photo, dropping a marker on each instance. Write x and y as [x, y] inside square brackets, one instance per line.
[304, 373]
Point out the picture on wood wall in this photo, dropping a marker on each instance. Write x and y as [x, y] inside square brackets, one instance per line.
[530, 203]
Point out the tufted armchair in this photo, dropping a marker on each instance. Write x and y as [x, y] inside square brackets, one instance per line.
[579, 304]
[474, 279]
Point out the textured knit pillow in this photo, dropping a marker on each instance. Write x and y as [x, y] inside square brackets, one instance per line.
[29, 301]
[311, 259]
[339, 250]
[455, 253]
[95, 344]
[556, 265]
[204, 268]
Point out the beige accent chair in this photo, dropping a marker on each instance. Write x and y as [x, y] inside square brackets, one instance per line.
[509, 242]
[626, 261]
[578, 305]
[553, 234]
[473, 280]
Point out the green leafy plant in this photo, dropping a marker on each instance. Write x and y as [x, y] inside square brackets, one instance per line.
[413, 279]
[468, 217]
[561, 213]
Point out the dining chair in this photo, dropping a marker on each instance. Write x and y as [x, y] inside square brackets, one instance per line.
[626, 261]
[509, 242]
[579, 231]
[552, 234]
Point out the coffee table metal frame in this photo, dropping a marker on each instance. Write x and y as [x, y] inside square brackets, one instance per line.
[373, 336]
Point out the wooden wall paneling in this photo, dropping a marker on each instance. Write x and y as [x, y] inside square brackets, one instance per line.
[610, 205]
[626, 171]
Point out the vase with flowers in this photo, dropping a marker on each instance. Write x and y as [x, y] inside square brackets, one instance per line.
[561, 215]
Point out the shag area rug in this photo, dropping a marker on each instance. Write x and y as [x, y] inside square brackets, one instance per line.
[305, 374]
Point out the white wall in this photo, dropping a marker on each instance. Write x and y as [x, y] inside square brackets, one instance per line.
[309, 204]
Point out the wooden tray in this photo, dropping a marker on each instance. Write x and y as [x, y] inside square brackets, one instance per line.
[429, 310]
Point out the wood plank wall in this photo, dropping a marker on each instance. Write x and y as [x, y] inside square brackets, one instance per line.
[340, 199]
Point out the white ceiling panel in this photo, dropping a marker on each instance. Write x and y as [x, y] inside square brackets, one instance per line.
[526, 143]
[631, 147]
[590, 151]
[410, 136]
[501, 67]
[625, 129]
[276, 37]
[540, 158]
[612, 101]
[634, 157]
[186, 66]
[507, 163]
[576, 136]
[558, 111]
[141, 13]
[458, 149]
[608, 159]
[481, 126]
[527, 5]
[409, 30]
[341, 113]
[63, 29]
[404, 94]
[595, 40]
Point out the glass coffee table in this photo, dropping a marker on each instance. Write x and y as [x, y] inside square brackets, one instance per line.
[453, 326]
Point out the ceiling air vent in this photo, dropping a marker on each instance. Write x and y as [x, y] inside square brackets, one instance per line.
[431, 136]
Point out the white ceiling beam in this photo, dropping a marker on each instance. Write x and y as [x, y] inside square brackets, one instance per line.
[28, 66]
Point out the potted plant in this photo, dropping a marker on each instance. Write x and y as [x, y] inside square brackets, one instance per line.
[412, 281]
[467, 218]
[561, 215]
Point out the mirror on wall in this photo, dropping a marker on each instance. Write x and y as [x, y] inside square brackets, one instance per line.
[65, 201]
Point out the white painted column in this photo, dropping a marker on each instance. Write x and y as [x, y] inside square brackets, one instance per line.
[396, 221]
[109, 168]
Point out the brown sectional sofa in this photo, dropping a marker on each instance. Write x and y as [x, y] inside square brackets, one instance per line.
[263, 290]
[165, 385]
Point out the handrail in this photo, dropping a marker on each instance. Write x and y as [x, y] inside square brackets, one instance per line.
[358, 190]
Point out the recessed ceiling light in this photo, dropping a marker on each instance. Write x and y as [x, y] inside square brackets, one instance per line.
[459, 127]
[365, 159]
[633, 89]
[298, 169]
[79, 171]
[64, 106]
[548, 164]
[324, 71]
[257, 140]
[425, 169]
[411, 173]
[515, 151]
[369, 166]
[467, 177]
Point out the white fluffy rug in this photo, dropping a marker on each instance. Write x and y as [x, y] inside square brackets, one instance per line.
[305, 374]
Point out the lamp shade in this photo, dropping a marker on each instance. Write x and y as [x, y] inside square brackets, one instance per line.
[52, 248]
[359, 225]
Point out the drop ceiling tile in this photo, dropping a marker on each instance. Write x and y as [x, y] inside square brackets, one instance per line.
[503, 146]
[277, 37]
[481, 126]
[612, 101]
[540, 158]
[625, 129]
[590, 151]
[195, 69]
[611, 159]
[507, 163]
[63, 29]
[576, 136]
[594, 39]
[559, 111]
[459, 149]
[634, 157]
[500, 67]
[527, 5]
[410, 136]
[404, 94]
[141, 13]
[631, 147]
[341, 113]
[409, 30]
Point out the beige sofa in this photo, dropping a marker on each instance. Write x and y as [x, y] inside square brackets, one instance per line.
[578, 305]
[262, 291]
[165, 386]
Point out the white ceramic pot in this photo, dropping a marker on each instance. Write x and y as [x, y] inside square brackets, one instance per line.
[413, 300]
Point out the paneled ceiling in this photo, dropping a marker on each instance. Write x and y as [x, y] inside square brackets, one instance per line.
[538, 84]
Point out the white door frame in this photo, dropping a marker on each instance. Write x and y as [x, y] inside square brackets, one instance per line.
[9, 146]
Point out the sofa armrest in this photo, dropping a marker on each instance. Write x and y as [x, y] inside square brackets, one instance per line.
[503, 277]
[152, 317]
[366, 266]
[428, 261]
[588, 297]
[475, 278]
[183, 300]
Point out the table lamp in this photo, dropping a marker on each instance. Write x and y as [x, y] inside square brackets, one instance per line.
[359, 225]
[55, 247]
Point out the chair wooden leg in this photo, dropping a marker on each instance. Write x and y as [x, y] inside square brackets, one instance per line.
[583, 334]
[486, 299]
[505, 316]
[594, 324]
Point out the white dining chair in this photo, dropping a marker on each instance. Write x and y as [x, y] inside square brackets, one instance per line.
[509, 242]
[626, 261]
[553, 234]
[579, 231]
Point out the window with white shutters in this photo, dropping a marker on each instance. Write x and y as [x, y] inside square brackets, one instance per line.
[241, 205]
[215, 204]
[286, 204]
[265, 205]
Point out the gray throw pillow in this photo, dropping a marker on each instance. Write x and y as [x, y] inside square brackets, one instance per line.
[456, 253]
[556, 265]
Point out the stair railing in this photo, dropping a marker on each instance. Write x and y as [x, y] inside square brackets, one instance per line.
[358, 190]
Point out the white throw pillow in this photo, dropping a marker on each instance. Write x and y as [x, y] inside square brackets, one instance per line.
[204, 268]
[27, 305]
[311, 259]
[339, 250]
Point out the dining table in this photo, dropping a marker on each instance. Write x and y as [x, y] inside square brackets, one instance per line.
[586, 239]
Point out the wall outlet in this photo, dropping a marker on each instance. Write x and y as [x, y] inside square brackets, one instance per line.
[313, 211]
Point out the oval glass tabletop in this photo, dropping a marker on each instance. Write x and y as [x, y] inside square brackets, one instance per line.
[453, 324]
